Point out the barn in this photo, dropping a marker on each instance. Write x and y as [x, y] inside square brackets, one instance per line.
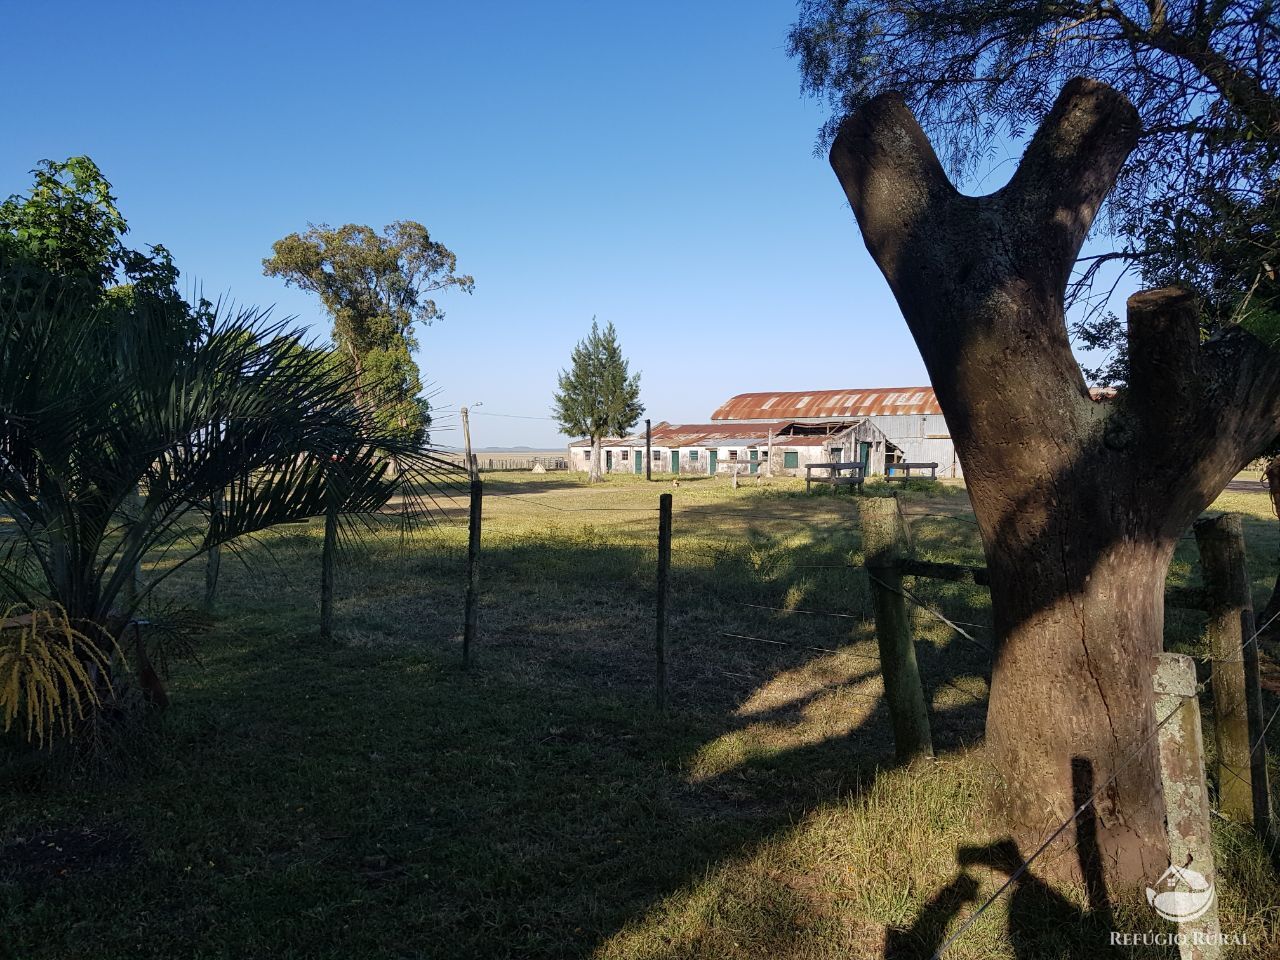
[709, 448]
[908, 417]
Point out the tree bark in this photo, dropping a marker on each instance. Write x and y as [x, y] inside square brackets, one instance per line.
[1079, 503]
[595, 471]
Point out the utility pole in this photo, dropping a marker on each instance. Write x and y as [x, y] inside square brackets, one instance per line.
[472, 472]
[648, 454]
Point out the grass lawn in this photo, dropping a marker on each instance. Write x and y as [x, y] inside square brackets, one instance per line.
[369, 798]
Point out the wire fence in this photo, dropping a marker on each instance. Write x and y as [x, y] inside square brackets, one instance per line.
[1048, 842]
[780, 638]
[1120, 768]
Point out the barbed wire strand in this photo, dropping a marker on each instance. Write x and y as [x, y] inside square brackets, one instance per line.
[812, 613]
[972, 696]
[946, 682]
[941, 516]
[801, 646]
[548, 506]
[908, 595]
[1240, 659]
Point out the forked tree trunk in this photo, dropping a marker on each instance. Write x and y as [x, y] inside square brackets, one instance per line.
[1079, 504]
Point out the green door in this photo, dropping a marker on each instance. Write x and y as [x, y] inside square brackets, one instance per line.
[608, 460]
[712, 456]
[864, 456]
[675, 461]
[638, 456]
[755, 460]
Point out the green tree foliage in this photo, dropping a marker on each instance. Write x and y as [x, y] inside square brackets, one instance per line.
[375, 287]
[1198, 201]
[126, 415]
[597, 396]
[116, 441]
[68, 226]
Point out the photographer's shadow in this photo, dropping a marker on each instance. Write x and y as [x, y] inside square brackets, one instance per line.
[1042, 922]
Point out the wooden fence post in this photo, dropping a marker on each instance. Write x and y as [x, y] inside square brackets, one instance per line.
[884, 543]
[664, 584]
[133, 583]
[327, 553]
[471, 620]
[1222, 564]
[1259, 777]
[213, 559]
[1186, 797]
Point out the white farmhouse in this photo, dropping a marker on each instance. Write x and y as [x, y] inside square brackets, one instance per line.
[710, 448]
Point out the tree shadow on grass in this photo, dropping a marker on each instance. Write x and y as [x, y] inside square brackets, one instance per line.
[533, 807]
[1041, 921]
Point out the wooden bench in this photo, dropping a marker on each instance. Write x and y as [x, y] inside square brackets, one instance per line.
[835, 474]
[891, 470]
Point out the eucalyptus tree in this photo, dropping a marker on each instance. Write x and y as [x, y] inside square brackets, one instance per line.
[375, 288]
[598, 396]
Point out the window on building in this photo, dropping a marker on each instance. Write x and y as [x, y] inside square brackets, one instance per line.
[587, 453]
[733, 454]
[693, 454]
[657, 455]
[626, 455]
[791, 459]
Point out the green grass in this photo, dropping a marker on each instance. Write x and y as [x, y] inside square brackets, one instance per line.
[369, 798]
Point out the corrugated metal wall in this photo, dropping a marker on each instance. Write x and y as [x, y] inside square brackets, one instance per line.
[922, 439]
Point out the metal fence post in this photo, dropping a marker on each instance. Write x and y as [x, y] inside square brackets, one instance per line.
[471, 619]
[884, 544]
[664, 586]
[213, 559]
[327, 554]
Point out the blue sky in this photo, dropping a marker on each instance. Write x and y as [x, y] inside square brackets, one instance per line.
[649, 164]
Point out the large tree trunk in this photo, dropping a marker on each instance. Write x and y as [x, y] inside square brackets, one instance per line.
[1071, 690]
[1079, 503]
[596, 469]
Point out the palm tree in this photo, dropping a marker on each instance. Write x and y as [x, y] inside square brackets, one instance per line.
[126, 431]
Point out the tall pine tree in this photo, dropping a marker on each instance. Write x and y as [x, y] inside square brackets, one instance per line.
[597, 396]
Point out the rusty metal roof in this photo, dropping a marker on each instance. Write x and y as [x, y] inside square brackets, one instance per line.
[876, 402]
[702, 434]
[692, 434]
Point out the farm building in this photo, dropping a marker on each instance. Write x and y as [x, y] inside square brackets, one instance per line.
[909, 418]
[708, 448]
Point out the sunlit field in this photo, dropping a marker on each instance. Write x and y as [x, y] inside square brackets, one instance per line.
[370, 798]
